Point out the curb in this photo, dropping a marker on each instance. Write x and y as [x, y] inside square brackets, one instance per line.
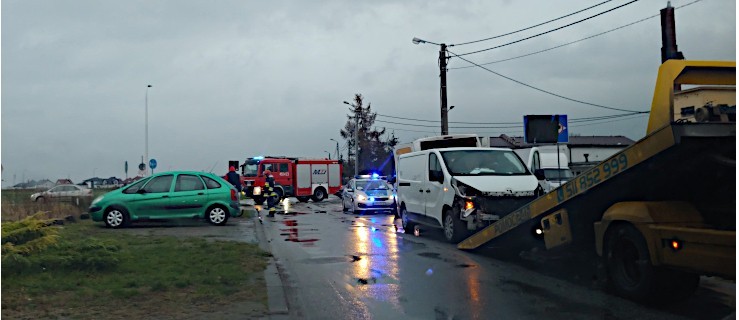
[276, 297]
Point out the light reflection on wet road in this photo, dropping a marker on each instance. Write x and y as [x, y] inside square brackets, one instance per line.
[344, 266]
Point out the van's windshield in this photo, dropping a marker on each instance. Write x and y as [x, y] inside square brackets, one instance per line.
[558, 174]
[483, 162]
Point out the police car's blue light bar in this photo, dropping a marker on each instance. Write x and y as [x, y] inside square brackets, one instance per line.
[373, 176]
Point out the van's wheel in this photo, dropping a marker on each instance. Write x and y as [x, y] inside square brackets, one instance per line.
[217, 215]
[303, 199]
[116, 218]
[454, 229]
[319, 194]
[408, 225]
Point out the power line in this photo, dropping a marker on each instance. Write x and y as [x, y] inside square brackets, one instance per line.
[609, 121]
[425, 126]
[572, 42]
[545, 91]
[531, 27]
[517, 124]
[550, 31]
[501, 123]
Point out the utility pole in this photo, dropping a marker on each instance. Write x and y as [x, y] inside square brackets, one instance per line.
[442, 70]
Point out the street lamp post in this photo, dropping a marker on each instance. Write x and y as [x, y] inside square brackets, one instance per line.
[146, 130]
[329, 154]
[356, 139]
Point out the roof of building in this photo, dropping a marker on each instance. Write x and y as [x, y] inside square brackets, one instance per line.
[64, 181]
[505, 141]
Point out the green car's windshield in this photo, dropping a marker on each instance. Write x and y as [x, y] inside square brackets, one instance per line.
[372, 185]
[483, 162]
[134, 187]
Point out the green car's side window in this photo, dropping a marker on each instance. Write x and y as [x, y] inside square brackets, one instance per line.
[159, 184]
[134, 187]
[212, 184]
[187, 182]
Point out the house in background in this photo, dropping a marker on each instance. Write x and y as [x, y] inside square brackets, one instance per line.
[109, 183]
[128, 181]
[63, 181]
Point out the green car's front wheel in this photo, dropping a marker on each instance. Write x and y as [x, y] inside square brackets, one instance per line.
[116, 217]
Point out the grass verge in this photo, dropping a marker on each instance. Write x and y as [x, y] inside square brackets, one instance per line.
[94, 273]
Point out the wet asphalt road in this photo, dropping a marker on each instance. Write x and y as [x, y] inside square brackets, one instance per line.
[336, 265]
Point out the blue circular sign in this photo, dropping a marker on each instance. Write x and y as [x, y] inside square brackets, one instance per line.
[152, 163]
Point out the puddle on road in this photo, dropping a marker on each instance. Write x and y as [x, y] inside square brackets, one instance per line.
[434, 255]
[292, 234]
[293, 213]
[375, 277]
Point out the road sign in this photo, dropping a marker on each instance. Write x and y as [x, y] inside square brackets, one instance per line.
[545, 129]
[563, 133]
[142, 166]
[153, 164]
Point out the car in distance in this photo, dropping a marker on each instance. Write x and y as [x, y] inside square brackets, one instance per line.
[62, 192]
[168, 195]
[368, 193]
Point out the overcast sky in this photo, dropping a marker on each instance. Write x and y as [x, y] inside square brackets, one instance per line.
[233, 79]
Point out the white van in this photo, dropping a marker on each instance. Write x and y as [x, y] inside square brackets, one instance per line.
[531, 157]
[461, 189]
[556, 172]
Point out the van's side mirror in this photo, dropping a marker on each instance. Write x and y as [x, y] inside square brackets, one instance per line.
[539, 174]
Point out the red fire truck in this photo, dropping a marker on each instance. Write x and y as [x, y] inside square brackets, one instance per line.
[294, 177]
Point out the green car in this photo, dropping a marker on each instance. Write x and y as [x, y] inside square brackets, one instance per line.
[168, 195]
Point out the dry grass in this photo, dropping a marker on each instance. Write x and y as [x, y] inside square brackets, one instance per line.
[16, 205]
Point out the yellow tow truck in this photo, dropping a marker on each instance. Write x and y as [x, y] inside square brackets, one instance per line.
[661, 212]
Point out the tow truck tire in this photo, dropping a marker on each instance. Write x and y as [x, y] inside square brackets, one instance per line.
[630, 273]
[258, 200]
[319, 194]
[454, 229]
[408, 225]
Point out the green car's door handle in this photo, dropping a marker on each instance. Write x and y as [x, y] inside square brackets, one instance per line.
[165, 196]
[200, 193]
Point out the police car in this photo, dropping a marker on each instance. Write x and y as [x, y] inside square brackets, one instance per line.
[368, 193]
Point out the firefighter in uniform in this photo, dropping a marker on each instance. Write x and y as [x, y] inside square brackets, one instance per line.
[269, 192]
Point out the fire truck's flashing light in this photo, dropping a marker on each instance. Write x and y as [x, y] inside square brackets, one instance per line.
[375, 176]
[258, 158]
